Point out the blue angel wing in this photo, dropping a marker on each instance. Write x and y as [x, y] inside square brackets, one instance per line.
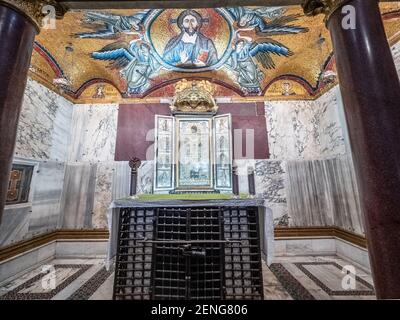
[279, 25]
[262, 52]
[136, 20]
[140, 16]
[270, 12]
[118, 52]
[235, 12]
[109, 25]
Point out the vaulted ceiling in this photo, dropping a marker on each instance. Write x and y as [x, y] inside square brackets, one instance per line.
[247, 52]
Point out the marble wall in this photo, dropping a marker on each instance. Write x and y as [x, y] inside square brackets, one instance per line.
[78, 196]
[121, 180]
[91, 168]
[270, 180]
[48, 187]
[44, 124]
[310, 179]
[43, 139]
[304, 129]
[93, 133]
[72, 148]
[324, 193]
[145, 177]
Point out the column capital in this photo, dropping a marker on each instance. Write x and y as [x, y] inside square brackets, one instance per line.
[326, 7]
[35, 10]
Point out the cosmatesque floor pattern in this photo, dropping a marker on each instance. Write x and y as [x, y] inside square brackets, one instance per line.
[289, 278]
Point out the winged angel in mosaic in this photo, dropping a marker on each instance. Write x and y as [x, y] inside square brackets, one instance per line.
[265, 22]
[110, 25]
[134, 60]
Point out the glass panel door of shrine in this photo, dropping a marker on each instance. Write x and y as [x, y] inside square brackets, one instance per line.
[164, 151]
[194, 167]
[223, 152]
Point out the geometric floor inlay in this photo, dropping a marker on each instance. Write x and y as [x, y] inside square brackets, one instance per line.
[298, 278]
[290, 283]
[36, 289]
[328, 276]
[90, 286]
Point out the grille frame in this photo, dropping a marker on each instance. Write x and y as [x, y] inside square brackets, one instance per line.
[239, 267]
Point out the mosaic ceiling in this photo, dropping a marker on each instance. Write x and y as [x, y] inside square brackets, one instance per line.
[247, 52]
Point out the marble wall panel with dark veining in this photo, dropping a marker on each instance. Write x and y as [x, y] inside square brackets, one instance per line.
[271, 186]
[270, 180]
[103, 194]
[323, 193]
[319, 181]
[94, 130]
[64, 140]
[44, 124]
[304, 129]
[345, 199]
[78, 196]
[145, 178]
[328, 125]
[42, 140]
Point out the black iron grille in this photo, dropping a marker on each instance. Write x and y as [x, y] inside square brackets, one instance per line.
[190, 253]
[243, 276]
[134, 256]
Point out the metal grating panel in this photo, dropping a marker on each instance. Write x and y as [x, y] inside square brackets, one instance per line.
[243, 276]
[134, 255]
[187, 251]
[190, 253]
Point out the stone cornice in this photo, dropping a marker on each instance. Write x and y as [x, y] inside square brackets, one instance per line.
[33, 9]
[326, 7]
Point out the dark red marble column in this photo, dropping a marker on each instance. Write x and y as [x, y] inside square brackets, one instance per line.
[17, 34]
[371, 95]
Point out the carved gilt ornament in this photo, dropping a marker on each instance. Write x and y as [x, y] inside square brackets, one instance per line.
[34, 9]
[326, 7]
[194, 97]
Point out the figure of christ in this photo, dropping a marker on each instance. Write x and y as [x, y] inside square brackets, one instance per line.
[190, 48]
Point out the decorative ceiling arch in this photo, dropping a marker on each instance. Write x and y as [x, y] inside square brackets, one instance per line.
[238, 51]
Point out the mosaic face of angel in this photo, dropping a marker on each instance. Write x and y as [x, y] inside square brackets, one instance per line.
[286, 86]
[240, 46]
[145, 50]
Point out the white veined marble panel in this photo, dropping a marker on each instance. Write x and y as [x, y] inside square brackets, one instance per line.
[145, 177]
[304, 129]
[102, 194]
[94, 132]
[44, 124]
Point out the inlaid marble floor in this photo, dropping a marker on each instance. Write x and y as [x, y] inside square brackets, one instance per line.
[286, 279]
[316, 278]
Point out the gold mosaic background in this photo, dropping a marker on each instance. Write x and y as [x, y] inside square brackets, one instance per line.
[311, 52]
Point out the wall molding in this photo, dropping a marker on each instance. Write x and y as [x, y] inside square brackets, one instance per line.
[15, 249]
[309, 232]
